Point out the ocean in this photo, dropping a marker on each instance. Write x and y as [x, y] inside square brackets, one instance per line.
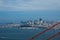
[26, 34]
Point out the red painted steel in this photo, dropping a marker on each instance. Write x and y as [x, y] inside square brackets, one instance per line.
[53, 36]
[44, 31]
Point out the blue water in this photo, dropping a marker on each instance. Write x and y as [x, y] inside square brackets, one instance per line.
[26, 34]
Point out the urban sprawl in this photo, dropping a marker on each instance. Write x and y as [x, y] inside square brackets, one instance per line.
[31, 23]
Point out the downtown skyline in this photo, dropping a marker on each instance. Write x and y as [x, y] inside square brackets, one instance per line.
[17, 10]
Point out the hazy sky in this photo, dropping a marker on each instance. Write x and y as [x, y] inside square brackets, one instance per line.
[29, 5]
[13, 10]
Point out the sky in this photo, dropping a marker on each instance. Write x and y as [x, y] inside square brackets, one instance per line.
[16, 10]
[18, 5]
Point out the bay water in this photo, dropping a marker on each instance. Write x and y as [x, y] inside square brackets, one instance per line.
[26, 34]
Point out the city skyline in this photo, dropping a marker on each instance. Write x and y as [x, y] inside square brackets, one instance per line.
[17, 10]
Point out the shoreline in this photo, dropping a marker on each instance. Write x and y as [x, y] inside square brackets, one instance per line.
[30, 28]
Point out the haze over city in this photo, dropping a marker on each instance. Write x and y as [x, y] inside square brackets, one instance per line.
[17, 10]
[29, 19]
